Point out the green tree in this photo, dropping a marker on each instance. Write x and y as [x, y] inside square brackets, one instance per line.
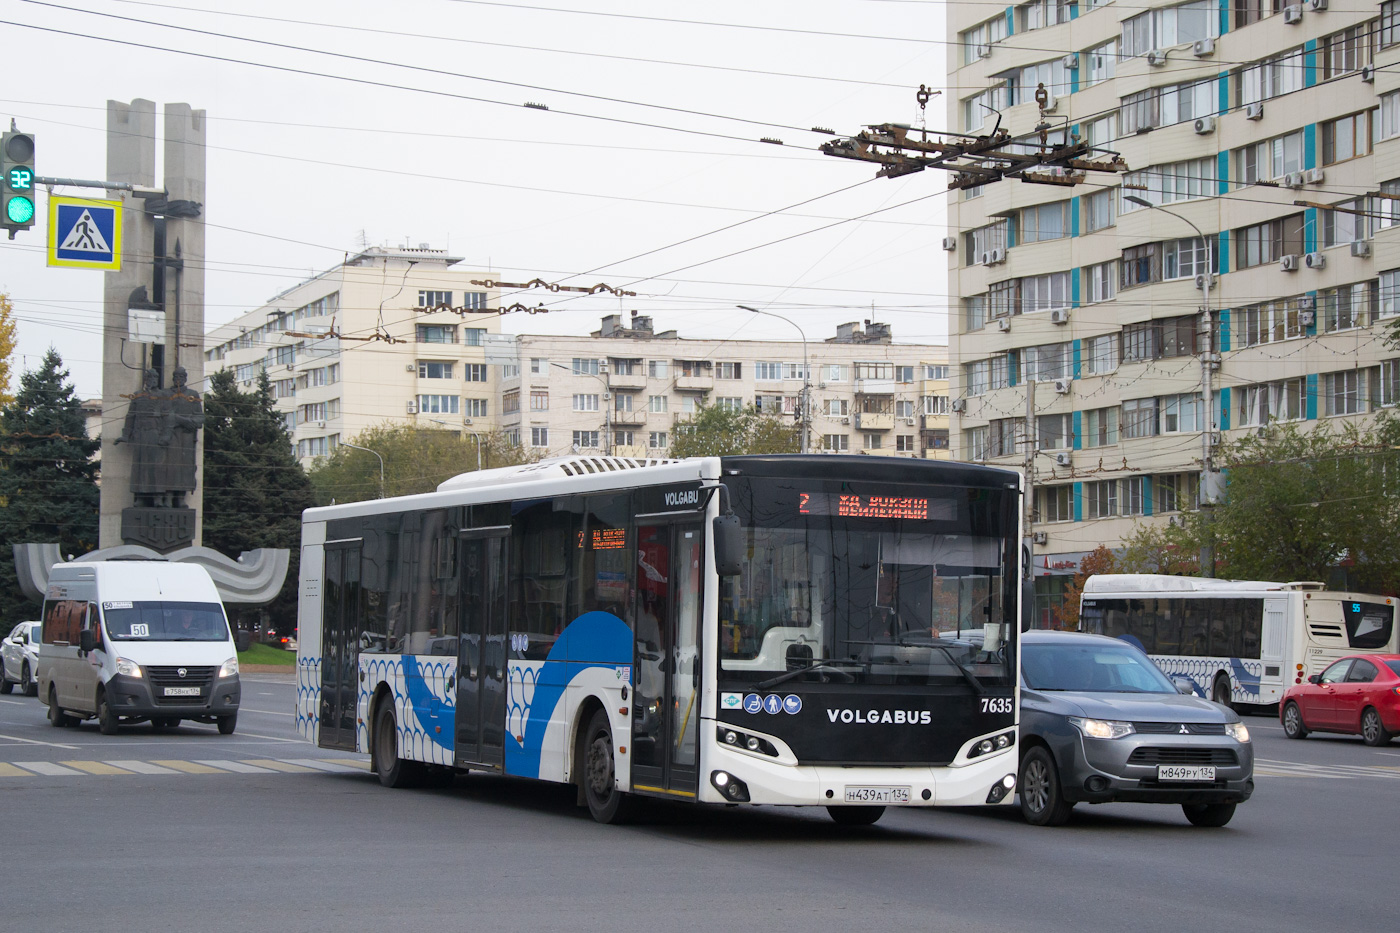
[1099, 560]
[721, 432]
[416, 460]
[48, 479]
[7, 347]
[254, 486]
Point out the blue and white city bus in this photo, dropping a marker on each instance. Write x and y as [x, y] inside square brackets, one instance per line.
[778, 630]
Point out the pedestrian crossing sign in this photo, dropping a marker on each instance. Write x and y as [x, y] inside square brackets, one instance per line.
[85, 233]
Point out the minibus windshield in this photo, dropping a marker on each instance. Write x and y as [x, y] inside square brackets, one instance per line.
[147, 620]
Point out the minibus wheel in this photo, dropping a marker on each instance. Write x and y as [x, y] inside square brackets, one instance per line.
[227, 724]
[107, 720]
[57, 718]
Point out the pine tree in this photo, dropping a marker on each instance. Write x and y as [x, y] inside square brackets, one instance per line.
[48, 479]
[254, 487]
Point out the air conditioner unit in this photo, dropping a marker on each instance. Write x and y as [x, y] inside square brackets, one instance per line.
[1317, 6]
[1368, 73]
[844, 420]
[1289, 263]
[1306, 318]
[1293, 179]
[984, 258]
[1157, 57]
[1306, 303]
[1293, 14]
[995, 256]
[1004, 325]
[1205, 281]
[1361, 248]
[1062, 386]
[1205, 125]
[1059, 316]
[1062, 459]
[984, 50]
[950, 243]
[1203, 47]
[1254, 111]
[1070, 61]
[1314, 176]
[410, 368]
[1040, 537]
[907, 420]
[1315, 261]
[958, 405]
[320, 424]
[413, 408]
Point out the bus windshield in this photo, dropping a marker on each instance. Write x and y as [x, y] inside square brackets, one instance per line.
[149, 620]
[846, 584]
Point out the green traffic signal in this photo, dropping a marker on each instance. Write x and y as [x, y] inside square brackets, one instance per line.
[19, 210]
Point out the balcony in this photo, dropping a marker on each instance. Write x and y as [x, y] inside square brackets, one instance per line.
[874, 421]
[627, 380]
[700, 383]
[629, 417]
[875, 386]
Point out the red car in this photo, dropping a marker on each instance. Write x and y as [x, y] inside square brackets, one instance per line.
[1356, 695]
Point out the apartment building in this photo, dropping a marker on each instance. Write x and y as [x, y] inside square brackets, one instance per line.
[1112, 333]
[621, 389]
[387, 335]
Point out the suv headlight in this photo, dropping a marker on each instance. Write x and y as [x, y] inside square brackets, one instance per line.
[1102, 728]
[1237, 731]
[229, 668]
[128, 668]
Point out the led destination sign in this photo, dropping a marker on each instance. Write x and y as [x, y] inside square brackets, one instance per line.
[847, 505]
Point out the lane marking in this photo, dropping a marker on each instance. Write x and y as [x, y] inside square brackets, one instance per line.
[46, 768]
[282, 766]
[189, 767]
[16, 738]
[95, 767]
[142, 767]
[238, 767]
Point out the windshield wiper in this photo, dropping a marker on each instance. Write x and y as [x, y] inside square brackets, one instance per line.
[970, 677]
[814, 666]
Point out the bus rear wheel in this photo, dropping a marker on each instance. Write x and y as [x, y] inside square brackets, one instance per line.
[392, 770]
[1220, 693]
[856, 816]
[605, 802]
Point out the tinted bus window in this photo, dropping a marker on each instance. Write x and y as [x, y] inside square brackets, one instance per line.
[1369, 625]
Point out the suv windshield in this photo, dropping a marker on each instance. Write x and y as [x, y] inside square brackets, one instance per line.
[1097, 668]
[145, 620]
[850, 583]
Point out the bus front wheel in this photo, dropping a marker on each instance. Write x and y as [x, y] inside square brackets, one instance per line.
[606, 803]
[392, 770]
[1221, 692]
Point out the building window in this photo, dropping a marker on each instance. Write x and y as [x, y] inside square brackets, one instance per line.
[1139, 417]
[1346, 137]
[333, 372]
[904, 374]
[1044, 292]
[1274, 76]
[1002, 437]
[975, 377]
[934, 404]
[729, 371]
[474, 301]
[474, 372]
[437, 333]
[1046, 222]
[1390, 23]
[979, 108]
[1346, 51]
[476, 408]
[1100, 282]
[1174, 25]
[979, 37]
[1100, 63]
[904, 408]
[1141, 265]
[432, 299]
[1132, 499]
[689, 404]
[313, 412]
[585, 402]
[1047, 362]
[622, 401]
[1001, 369]
[539, 437]
[656, 440]
[656, 403]
[622, 438]
[1251, 11]
[1268, 241]
[538, 366]
[1347, 222]
[1056, 504]
[1346, 306]
[313, 447]
[836, 372]
[1101, 499]
[1185, 259]
[904, 443]
[974, 312]
[1100, 427]
[1098, 210]
[438, 405]
[873, 441]
[1168, 337]
[1268, 322]
[935, 371]
[975, 443]
[1165, 184]
[766, 371]
[1389, 294]
[1387, 391]
[539, 401]
[585, 367]
[474, 336]
[1271, 401]
[1101, 354]
[658, 369]
[1165, 106]
[1342, 392]
[510, 402]
[1176, 492]
[1004, 298]
[836, 442]
[1179, 413]
[729, 404]
[586, 440]
[875, 371]
[1270, 159]
[837, 408]
[512, 436]
[1054, 432]
[977, 242]
[433, 369]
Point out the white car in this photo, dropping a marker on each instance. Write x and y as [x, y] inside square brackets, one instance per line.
[19, 651]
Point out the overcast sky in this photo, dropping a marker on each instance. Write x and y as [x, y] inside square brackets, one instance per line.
[648, 151]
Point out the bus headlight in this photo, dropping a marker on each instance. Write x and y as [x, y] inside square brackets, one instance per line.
[229, 668]
[1237, 731]
[128, 668]
[994, 744]
[1102, 728]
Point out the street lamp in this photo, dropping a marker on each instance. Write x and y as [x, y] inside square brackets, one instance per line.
[376, 454]
[806, 420]
[462, 431]
[601, 376]
[1207, 358]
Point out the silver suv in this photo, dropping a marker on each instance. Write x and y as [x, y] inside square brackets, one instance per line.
[1100, 723]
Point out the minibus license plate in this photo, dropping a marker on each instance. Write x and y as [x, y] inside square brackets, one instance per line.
[182, 691]
[1185, 773]
[856, 794]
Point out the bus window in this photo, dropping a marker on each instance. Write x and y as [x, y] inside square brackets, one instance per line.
[1142, 626]
[1167, 637]
[1369, 625]
[433, 629]
[376, 558]
[1195, 628]
[544, 541]
[604, 550]
[1250, 619]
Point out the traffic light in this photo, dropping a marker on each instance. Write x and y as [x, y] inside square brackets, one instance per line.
[17, 184]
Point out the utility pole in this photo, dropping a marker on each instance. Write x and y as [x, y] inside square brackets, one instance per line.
[1032, 441]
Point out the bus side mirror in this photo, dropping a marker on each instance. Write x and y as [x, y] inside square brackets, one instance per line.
[729, 545]
[242, 640]
[87, 641]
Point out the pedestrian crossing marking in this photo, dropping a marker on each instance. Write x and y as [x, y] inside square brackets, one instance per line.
[238, 767]
[189, 767]
[1267, 767]
[96, 767]
[320, 764]
[142, 767]
[46, 768]
[9, 770]
[282, 766]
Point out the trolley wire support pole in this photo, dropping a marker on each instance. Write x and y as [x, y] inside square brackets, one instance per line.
[377, 457]
[805, 419]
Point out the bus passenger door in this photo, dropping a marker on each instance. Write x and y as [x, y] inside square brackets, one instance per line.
[481, 659]
[1273, 646]
[340, 646]
[665, 710]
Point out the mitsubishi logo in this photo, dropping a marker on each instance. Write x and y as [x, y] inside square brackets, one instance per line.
[181, 672]
[1184, 730]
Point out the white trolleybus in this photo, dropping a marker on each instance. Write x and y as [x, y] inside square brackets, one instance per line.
[1238, 641]
[776, 630]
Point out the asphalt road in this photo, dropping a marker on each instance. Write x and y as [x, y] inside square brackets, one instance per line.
[259, 831]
